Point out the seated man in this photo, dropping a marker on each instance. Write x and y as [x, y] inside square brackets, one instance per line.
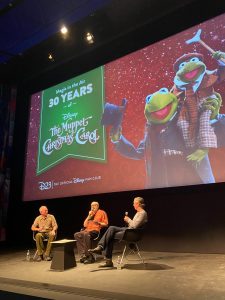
[113, 232]
[46, 227]
[93, 223]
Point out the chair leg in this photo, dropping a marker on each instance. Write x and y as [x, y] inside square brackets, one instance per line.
[35, 255]
[136, 251]
[139, 253]
[124, 250]
[94, 243]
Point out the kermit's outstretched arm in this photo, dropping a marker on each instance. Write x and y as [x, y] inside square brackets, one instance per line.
[124, 147]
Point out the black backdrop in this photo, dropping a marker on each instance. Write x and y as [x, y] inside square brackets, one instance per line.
[181, 219]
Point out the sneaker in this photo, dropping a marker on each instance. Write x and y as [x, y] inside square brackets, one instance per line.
[107, 264]
[97, 250]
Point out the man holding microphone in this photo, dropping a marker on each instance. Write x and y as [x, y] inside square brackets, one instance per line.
[114, 232]
[93, 223]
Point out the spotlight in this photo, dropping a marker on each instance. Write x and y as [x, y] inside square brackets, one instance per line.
[64, 30]
[89, 38]
[50, 57]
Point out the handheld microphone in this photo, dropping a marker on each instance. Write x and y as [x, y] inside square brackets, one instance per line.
[126, 214]
[91, 214]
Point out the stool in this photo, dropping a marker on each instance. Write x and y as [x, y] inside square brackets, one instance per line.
[63, 257]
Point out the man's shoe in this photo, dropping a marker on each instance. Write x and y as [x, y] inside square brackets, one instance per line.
[97, 250]
[48, 258]
[39, 258]
[89, 260]
[83, 258]
[107, 264]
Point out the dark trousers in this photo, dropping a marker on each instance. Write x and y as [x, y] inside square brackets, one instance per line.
[107, 240]
[83, 239]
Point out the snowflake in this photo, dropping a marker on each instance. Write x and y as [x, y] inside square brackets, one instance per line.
[215, 37]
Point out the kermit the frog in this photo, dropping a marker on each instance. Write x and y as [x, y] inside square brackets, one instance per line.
[163, 147]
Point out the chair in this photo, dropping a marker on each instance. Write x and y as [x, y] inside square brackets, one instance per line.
[95, 241]
[100, 233]
[98, 237]
[131, 238]
[45, 240]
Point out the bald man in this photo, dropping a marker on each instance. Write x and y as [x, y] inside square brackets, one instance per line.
[93, 223]
[45, 225]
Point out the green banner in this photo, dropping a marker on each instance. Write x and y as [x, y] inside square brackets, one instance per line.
[70, 121]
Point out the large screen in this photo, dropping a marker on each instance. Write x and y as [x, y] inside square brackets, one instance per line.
[151, 119]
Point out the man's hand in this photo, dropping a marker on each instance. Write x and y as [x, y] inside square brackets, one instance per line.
[197, 156]
[214, 104]
[40, 229]
[90, 214]
[52, 232]
[126, 219]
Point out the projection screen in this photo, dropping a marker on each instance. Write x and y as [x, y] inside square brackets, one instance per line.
[151, 119]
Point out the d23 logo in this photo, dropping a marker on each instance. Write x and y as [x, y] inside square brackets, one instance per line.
[47, 185]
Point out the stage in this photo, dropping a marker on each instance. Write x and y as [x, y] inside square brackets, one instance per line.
[165, 275]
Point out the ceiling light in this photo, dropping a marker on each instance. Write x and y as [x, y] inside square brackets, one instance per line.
[50, 57]
[89, 38]
[64, 30]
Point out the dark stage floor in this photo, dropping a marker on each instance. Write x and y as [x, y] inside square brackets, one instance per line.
[165, 275]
